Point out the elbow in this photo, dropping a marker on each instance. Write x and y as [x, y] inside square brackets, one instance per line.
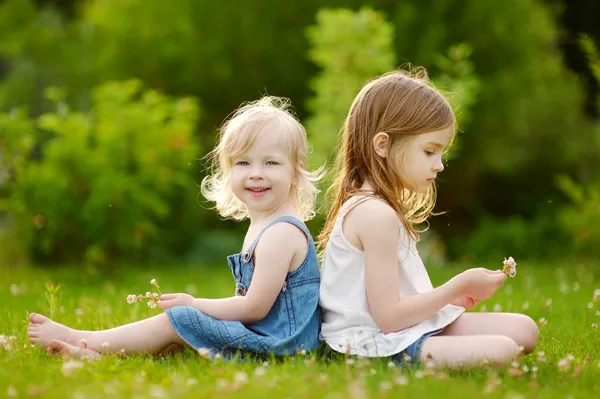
[254, 313]
[387, 328]
[386, 324]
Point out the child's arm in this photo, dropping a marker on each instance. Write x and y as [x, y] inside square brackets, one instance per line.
[379, 233]
[273, 257]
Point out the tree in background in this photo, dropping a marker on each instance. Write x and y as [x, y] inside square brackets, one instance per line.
[105, 180]
[526, 123]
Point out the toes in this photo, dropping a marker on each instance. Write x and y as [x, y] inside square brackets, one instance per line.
[37, 318]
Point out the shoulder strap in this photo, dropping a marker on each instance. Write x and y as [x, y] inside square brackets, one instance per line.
[350, 204]
[282, 219]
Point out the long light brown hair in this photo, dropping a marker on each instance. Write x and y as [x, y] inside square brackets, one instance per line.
[401, 104]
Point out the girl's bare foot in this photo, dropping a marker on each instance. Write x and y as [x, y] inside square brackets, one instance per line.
[41, 330]
[68, 351]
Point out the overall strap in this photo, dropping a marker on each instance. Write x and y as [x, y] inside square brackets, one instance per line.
[282, 219]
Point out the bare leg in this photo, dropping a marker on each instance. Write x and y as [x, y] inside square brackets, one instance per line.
[152, 335]
[447, 351]
[520, 328]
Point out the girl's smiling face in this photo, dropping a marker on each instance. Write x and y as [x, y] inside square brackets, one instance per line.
[263, 176]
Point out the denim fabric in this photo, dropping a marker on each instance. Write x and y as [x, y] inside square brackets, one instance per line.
[411, 356]
[292, 323]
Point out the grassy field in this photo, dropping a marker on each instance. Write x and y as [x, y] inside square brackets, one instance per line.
[566, 364]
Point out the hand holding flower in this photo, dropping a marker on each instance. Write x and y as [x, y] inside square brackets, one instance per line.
[167, 301]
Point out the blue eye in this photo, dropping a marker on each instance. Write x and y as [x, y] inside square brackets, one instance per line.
[242, 163]
[271, 163]
[430, 153]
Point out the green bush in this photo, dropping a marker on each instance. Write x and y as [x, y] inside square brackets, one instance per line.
[497, 238]
[581, 218]
[104, 180]
[350, 48]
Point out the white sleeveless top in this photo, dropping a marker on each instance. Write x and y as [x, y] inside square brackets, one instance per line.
[348, 326]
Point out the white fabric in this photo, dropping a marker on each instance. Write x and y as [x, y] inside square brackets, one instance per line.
[348, 326]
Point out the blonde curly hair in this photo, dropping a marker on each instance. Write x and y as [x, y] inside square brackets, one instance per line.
[238, 133]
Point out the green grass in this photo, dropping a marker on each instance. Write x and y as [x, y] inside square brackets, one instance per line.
[89, 301]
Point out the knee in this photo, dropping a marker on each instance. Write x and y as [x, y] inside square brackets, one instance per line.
[505, 350]
[528, 332]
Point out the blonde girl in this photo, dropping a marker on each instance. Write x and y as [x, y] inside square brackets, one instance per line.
[259, 174]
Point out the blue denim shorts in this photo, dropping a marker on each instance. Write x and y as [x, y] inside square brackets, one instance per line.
[412, 355]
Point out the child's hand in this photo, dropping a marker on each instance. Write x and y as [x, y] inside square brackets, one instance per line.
[466, 302]
[480, 283]
[167, 301]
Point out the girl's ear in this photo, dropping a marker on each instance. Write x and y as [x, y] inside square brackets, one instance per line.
[381, 144]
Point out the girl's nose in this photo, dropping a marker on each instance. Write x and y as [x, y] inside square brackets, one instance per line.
[256, 173]
[438, 166]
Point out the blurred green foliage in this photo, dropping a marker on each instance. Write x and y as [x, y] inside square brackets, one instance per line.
[104, 180]
[350, 48]
[520, 108]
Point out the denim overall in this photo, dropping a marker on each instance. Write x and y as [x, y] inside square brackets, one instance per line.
[292, 324]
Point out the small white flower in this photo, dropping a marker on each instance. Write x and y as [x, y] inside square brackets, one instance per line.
[541, 357]
[401, 380]
[594, 325]
[497, 308]
[153, 281]
[105, 345]
[241, 377]
[151, 304]
[510, 267]
[525, 305]
[260, 371]
[391, 364]
[79, 312]
[548, 302]
[205, 353]
[385, 386]
[590, 305]
[70, 366]
[131, 298]
[596, 294]
[543, 322]
[12, 392]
